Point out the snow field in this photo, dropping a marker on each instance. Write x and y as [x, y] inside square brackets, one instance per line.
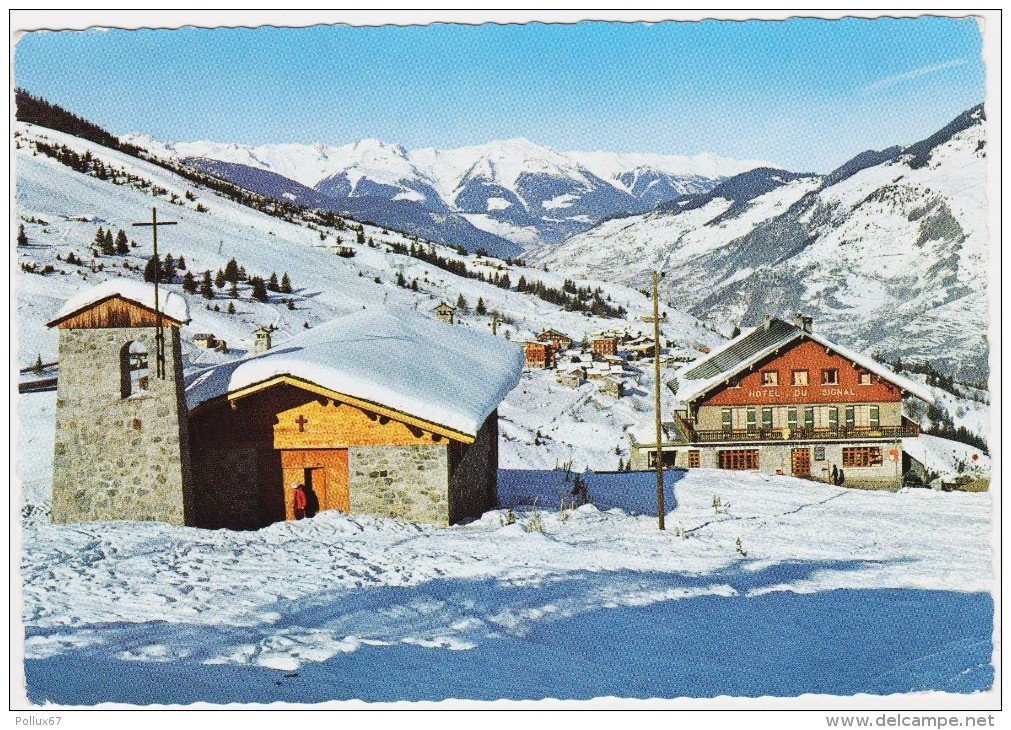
[289, 591]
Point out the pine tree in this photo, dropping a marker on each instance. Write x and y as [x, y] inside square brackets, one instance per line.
[231, 308]
[100, 237]
[272, 284]
[360, 236]
[414, 285]
[285, 284]
[150, 270]
[122, 247]
[233, 291]
[291, 304]
[206, 290]
[181, 264]
[106, 245]
[220, 279]
[189, 283]
[22, 238]
[481, 309]
[522, 284]
[461, 304]
[168, 269]
[232, 271]
[259, 289]
[401, 281]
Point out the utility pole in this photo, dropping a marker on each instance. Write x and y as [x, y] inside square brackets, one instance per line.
[656, 402]
[159, 329]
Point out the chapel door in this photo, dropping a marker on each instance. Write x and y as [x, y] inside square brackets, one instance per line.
[801, 459]
[323, 472]
[315, 490]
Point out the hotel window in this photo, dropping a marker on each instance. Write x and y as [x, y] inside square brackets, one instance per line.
[875, 417]
[767, 419]
[865, 378]
[800, 377]
[819, 453]
[851, 416]
[857, 456]
[833, 418]
[726, 418]
[770, 378]
[734, 383]
[752, 419]
[739, 459]
[830, 377]
[791, 418]
[809, 418]
[667, 457]
[694, 459]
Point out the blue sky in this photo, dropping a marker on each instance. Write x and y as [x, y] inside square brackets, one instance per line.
[806, 94]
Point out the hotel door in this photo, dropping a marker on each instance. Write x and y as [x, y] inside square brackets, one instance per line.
[801, 459]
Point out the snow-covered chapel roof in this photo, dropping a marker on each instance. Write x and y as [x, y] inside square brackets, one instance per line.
[446, 375]
[756, 344]
[171, 304]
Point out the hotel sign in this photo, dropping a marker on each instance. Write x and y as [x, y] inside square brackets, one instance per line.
[798, 394]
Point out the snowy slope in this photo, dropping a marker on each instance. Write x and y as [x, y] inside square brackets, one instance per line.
[889, 256]
[789, 575]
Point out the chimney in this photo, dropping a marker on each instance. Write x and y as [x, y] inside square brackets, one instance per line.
[767, 322]
[261, 340]
[802, 322]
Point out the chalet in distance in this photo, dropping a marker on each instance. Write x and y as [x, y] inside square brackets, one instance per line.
[539, 355]
[559, 340]
[782, 399]
[386, 413]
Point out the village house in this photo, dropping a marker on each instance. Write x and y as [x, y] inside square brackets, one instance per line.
[572, 378]
[782, 399]
[205, 341]
[559, 340]
[538, 354]
[375, 412]
[604, 345]
[640, 347]
[444, 312]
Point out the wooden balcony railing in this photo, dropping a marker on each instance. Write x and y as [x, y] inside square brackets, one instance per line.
[908, 429]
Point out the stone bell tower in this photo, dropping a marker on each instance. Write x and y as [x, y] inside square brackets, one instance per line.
[122, 443]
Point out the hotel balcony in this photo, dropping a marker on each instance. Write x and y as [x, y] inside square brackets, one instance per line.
[841, 433]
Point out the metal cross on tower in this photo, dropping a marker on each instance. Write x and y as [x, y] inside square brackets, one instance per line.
[159, 332]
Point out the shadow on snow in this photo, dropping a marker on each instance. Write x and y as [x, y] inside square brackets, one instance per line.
[580, 635]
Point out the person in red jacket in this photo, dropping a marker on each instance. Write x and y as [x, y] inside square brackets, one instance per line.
[299, 501]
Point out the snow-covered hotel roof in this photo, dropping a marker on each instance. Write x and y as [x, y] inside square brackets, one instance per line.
[171, 304]
[443, 374]
[756, 344]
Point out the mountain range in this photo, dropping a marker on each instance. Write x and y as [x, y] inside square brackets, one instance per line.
[502, 196]
[888, 252]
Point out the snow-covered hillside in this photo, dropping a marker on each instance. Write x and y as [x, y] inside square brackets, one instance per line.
[61, 210]
[890, 256]
[513, 189]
